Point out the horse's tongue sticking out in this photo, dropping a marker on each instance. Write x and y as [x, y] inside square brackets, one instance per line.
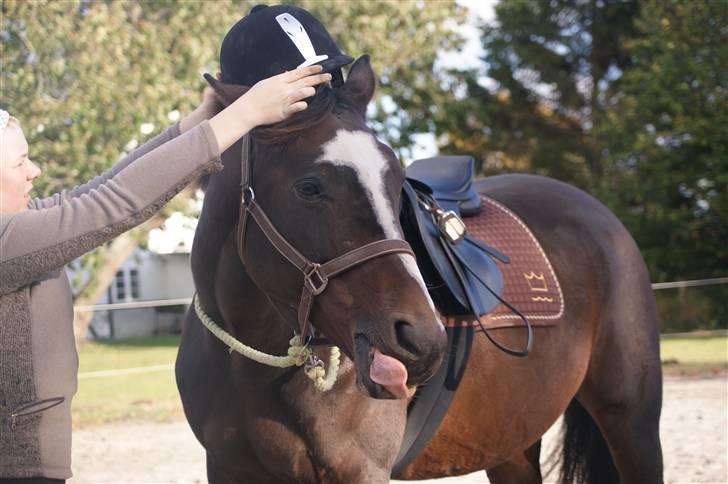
[390, 373]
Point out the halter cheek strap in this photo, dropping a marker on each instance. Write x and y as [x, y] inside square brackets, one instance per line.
[245, 188]
[316, 275]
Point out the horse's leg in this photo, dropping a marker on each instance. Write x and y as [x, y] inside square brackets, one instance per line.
[523, 469]
[627, 413]
[216, 474]
[622, 390]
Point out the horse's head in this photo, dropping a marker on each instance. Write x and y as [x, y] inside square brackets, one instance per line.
[330, 186]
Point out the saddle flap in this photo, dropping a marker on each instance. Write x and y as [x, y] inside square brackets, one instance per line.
[446, 278]
[450, 179]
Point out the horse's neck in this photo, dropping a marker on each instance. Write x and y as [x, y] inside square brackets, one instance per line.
[227, 292]
[217, 220]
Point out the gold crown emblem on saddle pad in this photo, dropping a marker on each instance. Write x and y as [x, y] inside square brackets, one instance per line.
[530, 282]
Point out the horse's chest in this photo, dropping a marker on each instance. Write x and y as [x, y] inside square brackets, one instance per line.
[274, 448]
[300, 436]
[269, 449]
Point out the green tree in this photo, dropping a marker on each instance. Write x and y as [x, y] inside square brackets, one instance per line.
[404, 40]
[90, 80]
[624, 99]
[548, 67]
[666, 143]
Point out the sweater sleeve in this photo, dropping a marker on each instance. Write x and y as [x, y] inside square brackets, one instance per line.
[37, 241]
[166, 135]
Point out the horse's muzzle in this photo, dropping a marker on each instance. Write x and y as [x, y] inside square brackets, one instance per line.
[384, 374]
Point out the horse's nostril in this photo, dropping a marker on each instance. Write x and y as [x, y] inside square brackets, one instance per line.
[406, 336]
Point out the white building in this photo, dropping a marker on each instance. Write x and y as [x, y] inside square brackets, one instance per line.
[162, 272]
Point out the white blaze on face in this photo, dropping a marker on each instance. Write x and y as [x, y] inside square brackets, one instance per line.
[358, 150]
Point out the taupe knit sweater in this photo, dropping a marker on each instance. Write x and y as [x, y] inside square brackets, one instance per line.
[38, 359]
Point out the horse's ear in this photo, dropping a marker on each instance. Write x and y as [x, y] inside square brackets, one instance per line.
[360, 83]
[226, 93]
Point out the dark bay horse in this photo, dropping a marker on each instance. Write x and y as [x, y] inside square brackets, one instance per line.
[330, 186]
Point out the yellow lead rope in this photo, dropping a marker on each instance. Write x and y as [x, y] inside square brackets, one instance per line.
[298, 354]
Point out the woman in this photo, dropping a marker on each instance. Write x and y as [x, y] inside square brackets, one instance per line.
[38, 360]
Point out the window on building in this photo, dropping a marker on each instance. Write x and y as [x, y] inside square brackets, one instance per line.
[120, 286]
[134, 281]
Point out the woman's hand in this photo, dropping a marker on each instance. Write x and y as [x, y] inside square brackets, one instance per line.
[274, 99]
[209, 107]
[269, 101]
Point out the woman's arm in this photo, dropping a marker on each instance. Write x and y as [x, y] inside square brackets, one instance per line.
[209, 107]
[165, 136]
[35, 242]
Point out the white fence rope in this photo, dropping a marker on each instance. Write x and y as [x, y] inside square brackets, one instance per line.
[137, 305]
[695, 283]
[125, 371]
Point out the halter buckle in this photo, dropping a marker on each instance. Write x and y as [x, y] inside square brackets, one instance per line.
[314, 280]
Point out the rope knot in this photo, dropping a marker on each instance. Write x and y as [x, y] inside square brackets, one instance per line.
[298, 351]
[317, 374]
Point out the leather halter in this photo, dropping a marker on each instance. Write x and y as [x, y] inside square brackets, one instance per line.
[315, 275]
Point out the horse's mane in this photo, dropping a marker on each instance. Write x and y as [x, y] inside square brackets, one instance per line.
[327, 100]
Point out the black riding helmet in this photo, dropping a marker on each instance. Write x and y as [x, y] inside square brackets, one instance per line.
[272, 40]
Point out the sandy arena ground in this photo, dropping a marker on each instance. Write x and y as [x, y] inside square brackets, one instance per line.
[694, 438]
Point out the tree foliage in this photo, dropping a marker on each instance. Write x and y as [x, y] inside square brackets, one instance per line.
[665, 139]
[89, 80]
[85, 77]
[404, 40]
[625, 99]
[548, 66]
[667, 151]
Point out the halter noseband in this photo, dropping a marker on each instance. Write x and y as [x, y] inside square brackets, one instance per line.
[316, 275]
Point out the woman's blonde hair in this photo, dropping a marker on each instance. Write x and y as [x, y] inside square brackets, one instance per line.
[12, 123]
[11, 120]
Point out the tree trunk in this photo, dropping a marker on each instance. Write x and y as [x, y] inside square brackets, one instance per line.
[118, 251]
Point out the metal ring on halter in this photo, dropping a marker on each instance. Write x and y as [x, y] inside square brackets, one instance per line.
[313, 361]
[248, 195]
[321, 280]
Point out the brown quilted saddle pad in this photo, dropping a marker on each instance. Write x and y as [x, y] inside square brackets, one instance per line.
[530, 283]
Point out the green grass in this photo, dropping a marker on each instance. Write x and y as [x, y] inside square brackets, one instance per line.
[156, 350]
[141, 396]
[153, 396]
[694, 356]
[701, 350]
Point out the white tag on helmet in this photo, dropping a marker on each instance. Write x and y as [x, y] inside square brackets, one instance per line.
[295, 31]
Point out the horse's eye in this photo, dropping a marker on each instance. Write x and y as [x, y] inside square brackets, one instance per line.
[308, 189]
